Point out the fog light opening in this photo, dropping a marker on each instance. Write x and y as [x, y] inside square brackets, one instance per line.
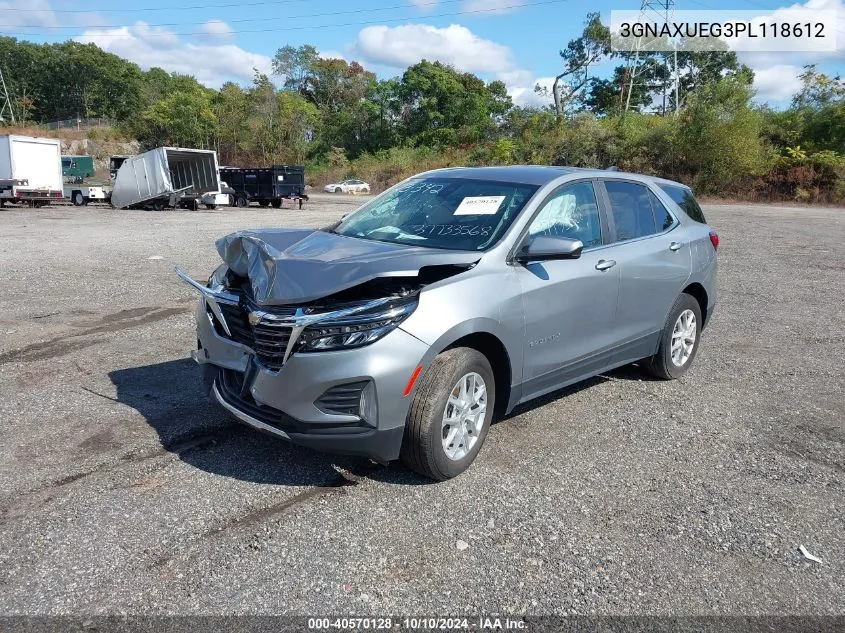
[367, 405]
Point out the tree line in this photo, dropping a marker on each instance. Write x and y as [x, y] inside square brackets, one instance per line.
[342, 120]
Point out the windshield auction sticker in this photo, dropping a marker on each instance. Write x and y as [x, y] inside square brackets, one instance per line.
[480, 205]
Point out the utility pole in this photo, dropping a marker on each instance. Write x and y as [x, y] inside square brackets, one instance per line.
[654, 11]
[5, 103]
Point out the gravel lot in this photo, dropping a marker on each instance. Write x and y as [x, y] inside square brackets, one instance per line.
[122, 490]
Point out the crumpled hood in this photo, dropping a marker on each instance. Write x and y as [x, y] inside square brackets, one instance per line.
[299, 265]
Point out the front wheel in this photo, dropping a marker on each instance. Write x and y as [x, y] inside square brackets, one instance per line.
[78, 199]
[450, 414]
[277, 203]
[211, 207]
[241, 202]
[678, 341]
[338, 190]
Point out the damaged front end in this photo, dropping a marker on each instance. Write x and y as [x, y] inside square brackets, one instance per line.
[346, 320]
[281, 299]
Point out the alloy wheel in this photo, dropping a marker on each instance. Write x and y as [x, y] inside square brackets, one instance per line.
[463, 417]
[683, 338]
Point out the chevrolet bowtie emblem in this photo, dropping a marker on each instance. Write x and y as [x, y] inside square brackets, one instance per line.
[254, 318]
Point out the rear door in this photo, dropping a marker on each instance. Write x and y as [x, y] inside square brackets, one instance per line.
[569, 305]
[652, 252]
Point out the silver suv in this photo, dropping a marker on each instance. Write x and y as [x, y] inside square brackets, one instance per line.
[400, 331]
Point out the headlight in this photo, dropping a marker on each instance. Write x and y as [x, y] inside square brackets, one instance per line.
[217, 280]
[356, 330]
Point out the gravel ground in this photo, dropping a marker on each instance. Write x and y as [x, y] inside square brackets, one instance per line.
[122, 490]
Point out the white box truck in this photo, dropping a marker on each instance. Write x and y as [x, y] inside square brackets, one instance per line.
[30, 170]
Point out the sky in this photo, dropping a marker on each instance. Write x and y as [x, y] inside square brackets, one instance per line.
[516, 41]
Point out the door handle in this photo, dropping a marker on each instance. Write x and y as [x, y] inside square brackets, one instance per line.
[605, 264]
[675, 246]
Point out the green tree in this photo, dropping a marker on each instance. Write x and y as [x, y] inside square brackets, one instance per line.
[579, 57]
[718, 138]
[295, 65]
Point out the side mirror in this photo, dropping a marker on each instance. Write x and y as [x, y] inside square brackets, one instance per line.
[549, 247]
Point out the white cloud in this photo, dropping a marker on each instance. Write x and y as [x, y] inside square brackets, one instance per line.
[524, 95]
[403, 46]
[147, 46]
[36, 13]
[331, 55]
[777, 83]
[216, 30]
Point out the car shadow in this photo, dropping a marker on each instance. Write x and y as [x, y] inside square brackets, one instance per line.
[171, 397]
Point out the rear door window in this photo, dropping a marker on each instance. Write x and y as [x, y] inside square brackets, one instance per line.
[631, 209]
[682, 196]
[662, 218]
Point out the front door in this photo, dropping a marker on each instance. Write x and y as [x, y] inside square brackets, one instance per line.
[569, 305]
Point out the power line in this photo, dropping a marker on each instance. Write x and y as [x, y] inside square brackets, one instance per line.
[243, 20]
[306, 27]
[144, 10]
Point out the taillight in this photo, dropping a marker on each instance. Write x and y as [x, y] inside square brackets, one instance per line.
[714, 239]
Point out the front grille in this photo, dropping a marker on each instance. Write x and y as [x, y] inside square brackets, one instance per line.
[271, 342]
[344, 399]
[268, 340]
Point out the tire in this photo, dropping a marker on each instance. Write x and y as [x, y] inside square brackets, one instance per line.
[263, 203]
[277, 203]
[211, 207]
[423, 449]
[338, 190]
[78, 199]
[158, 205]
[663, 364]
[365, 191]
[241, 202]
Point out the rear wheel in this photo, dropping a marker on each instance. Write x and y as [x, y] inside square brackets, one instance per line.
[263, 203]
[158, 205]
[450, 414]
[678, 341]
[338, 190]
[212, 207]
[78, 198]
[277, 203]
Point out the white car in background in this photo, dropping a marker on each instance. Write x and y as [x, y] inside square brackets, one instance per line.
[348, 186]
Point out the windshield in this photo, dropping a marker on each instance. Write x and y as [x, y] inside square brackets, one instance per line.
[450, 213]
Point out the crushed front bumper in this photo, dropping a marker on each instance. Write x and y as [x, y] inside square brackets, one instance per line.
[282, 402]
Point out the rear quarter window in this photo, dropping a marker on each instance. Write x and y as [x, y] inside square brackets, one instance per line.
[682, 196]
